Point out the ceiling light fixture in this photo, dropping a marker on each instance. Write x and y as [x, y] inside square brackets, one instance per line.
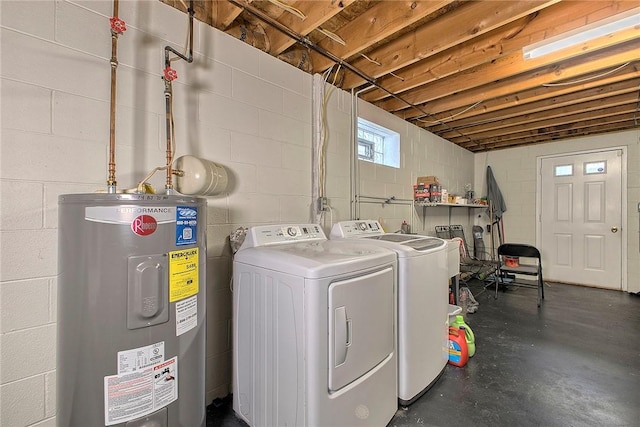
[583, 34]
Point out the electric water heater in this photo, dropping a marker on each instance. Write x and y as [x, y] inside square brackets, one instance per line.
[131, 310]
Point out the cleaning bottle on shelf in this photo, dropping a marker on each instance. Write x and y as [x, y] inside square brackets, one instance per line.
[469, 337]
[405, 228]
[458, 351]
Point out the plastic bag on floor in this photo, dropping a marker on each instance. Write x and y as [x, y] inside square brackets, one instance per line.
[467, 301]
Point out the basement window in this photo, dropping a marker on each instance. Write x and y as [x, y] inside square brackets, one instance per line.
[377, 144]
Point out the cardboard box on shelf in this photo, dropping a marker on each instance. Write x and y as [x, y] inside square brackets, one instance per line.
[427, 180]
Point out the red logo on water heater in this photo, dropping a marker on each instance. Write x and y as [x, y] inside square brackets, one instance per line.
[144, 225]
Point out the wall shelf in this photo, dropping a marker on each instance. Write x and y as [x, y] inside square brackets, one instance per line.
[449, 206]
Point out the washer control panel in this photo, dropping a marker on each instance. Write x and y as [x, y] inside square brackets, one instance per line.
[357, 228]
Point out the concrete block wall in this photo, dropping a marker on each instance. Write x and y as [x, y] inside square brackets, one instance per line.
[516, 174]
[233, 105]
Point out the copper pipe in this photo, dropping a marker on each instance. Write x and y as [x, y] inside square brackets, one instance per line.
[111, 181]
[168, 102]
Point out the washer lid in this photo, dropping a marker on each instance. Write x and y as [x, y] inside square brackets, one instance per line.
[394, 237]
[404, 245]
[317, 259]
[419, 243]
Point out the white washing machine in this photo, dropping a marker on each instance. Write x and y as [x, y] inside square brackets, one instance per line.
[423, 302]
[314, 330]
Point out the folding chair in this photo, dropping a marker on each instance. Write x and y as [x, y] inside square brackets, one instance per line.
[509, 255]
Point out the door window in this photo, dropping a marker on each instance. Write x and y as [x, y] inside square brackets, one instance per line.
[592, 168]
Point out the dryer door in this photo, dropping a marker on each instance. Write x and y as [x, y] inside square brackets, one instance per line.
[361, 325]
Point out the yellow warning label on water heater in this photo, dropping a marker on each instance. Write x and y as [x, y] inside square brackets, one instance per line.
[183, 274]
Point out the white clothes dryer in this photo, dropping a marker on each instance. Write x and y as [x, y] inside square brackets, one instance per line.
[423, 303]
[313, 330]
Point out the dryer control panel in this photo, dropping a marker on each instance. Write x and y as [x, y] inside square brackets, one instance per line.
[265, 235]
[356, 228]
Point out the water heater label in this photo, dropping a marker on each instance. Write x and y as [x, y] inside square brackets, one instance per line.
[135, 394]
[140, 358]
[186, 315]
[143, 225]
[143, 220]
[186, 225]
[183, 274]
[127, 214]
[165, 385]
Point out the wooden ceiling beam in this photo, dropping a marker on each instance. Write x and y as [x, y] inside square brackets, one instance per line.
[557, 135]
[317, 13]
[514, 64]
[605, 61]
[461, 108]
[562, 112]
[490, 46]
[559, 118]
[446, 63]
[568, 16]
[222, 13]
[219, 13]
[468, 21]
[537, 99]
[617, 124]
[374, 25]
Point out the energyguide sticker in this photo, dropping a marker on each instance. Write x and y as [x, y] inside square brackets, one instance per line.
[183, 274]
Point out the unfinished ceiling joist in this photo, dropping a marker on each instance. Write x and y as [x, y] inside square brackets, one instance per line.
[456, 67]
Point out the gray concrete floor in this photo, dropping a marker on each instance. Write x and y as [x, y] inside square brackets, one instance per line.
[573, 362]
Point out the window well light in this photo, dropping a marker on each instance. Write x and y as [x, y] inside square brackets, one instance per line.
[583, 34]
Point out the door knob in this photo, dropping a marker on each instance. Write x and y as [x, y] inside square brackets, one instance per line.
[614, 229]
